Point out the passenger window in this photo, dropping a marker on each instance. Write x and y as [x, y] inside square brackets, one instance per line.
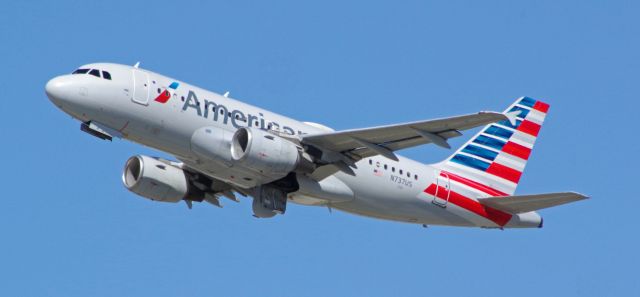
[415, 177]
[80, 71]
[370, 162]
[393, 169]
[385, 166]
[408, 174]
[400, 171]
[106, 75]
[95, 72]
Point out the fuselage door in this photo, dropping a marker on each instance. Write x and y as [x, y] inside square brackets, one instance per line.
[140, 87]
[443, 190]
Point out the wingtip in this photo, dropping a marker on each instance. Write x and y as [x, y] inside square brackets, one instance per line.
[582, 196]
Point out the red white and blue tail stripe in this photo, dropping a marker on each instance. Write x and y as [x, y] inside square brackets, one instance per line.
[494, 159]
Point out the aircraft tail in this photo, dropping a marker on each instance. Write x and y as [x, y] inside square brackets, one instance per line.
[493, 160]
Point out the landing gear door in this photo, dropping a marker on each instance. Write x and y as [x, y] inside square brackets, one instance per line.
[443, 190]
[140, 87]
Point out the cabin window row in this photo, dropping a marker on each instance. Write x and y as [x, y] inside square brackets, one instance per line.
[393, 169]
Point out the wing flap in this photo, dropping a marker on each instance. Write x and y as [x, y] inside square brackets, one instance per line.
[527, 203]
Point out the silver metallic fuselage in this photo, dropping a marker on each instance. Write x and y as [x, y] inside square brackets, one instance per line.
[169, 127]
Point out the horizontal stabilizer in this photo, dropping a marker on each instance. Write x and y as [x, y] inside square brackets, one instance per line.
[527, 203]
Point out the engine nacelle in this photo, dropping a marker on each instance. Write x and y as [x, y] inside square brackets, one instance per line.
[267, 154]
[155, 180]
[213, 144]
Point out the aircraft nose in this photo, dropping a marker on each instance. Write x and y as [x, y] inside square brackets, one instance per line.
[59, 89]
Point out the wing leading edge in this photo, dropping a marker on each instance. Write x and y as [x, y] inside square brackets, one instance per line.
[383, 140]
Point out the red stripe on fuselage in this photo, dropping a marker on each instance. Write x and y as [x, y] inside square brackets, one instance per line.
[541, 106]
[530, 128]
[496, 216]
[517, 150]
[504, 172]
[473, 184]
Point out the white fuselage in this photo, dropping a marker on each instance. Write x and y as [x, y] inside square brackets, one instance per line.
[381, 188]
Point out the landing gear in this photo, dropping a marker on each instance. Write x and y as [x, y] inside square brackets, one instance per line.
[271, 199]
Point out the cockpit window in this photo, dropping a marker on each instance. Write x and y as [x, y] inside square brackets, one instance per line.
[95, 72]
[80, 71]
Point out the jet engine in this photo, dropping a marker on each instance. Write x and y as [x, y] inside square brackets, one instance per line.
[212, 144]
[157, 180]
[267, 154]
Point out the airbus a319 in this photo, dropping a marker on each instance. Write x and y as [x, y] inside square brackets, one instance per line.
[225, 148]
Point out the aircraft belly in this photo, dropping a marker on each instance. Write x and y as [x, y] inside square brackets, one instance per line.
[328, 191]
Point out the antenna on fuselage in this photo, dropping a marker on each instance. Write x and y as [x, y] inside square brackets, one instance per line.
[136, 65]
[226, 94]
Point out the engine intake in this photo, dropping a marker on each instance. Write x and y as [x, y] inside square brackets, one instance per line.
[156, 180]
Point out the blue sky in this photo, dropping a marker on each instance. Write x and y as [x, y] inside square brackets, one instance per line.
[69, 228]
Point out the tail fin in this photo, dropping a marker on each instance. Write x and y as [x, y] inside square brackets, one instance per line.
[494, 159]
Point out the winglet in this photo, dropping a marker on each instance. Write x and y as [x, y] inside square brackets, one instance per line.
[511, 116]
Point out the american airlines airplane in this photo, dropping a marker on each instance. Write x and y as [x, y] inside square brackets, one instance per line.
[225, 147]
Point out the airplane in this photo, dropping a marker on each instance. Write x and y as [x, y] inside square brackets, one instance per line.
[225, 148]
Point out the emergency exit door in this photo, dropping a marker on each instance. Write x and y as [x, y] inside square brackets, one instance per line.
[443, 190]
[140, 87]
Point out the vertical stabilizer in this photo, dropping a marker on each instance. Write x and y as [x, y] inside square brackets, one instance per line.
[493, 160]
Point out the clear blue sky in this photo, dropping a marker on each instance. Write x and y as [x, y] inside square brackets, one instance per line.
[69, 228]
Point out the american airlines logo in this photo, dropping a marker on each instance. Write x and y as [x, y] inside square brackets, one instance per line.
[165, 95]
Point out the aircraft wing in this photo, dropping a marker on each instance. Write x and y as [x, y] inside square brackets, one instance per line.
[383, 140]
